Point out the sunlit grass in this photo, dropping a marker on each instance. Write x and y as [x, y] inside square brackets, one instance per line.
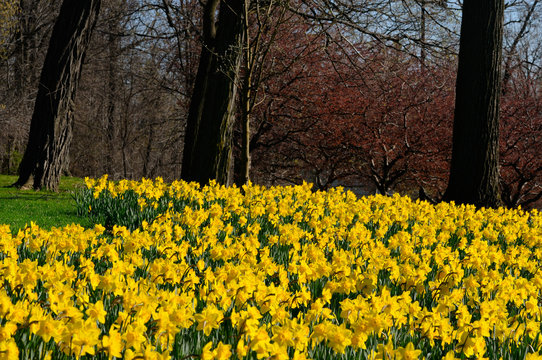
[19, 207]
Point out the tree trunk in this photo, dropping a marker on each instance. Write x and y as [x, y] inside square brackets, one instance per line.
[207, 149]
[242, 165]
[52, 119]
[474, 175]
[195, 111]
[423, 55]
[8, 155]
[245, 146]
[243, 175]
[112, 78]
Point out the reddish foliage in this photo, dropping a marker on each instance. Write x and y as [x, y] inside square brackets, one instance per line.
[370, 117]
[521, 142]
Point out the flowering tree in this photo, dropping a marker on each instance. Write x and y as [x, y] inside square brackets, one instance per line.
[521, 141]
[373, 118]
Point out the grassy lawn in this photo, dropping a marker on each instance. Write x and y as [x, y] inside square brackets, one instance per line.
[45, 208]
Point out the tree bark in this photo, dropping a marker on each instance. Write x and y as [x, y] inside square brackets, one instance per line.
[243, 177]
[112, 79]
[195, 111]
[244, 173]
[52, 119]
[207, 149]
[474, 174]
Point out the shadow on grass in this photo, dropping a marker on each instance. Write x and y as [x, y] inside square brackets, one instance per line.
[31, 197]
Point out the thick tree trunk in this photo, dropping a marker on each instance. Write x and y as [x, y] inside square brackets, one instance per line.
[195, 111]
[474, 176]
[51, 125]
[207, 150]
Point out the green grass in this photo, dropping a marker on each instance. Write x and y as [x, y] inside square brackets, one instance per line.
[45, 208]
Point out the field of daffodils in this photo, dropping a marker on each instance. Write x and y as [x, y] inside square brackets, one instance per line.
[175, 271]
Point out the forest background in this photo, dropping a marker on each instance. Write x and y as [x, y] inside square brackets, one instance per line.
[358, 94]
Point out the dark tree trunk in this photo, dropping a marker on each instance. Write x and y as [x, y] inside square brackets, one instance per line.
[208, 137]
[197, 102]
[51, 124]
[112, 78]
[474, 176]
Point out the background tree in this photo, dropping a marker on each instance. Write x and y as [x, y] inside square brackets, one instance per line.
[23, 53]
[262, 23]
[374, 122]
[51, 126]
[521, 116]
[474, 174]
[8, 23]
[208, 140]
[8, 15]
[139, 109]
